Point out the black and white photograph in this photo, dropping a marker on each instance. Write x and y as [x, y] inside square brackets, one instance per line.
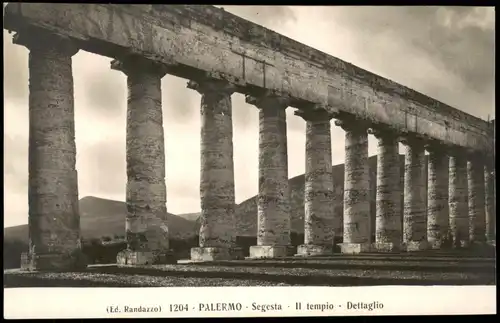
[281, 147]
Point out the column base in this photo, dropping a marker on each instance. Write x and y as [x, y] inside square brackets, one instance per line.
[53, 261]
[416, 245]
[215, 253]
[437, 244]
[354, 248]
[268, 252]
[140, 258]
[386, 247]
[314, 250]
[461, 244]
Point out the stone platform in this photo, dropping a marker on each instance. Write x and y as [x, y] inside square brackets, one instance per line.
[313, 250]
[53, 261]
[200, 254]
[270, 252]
[355, 248]
[371, 269]
[134, 258]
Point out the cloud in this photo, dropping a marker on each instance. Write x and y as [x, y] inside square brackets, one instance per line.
[444, 52]
[180, 104]
[15, 62]
[15, 163]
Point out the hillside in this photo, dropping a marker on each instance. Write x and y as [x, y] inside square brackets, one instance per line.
[101, 217]
[190, 216]
[246, 212]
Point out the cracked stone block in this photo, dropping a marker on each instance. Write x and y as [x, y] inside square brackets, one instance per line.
[269, 252]
[314, 250]
[354, 248]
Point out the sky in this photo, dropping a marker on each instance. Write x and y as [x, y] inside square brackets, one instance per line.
[444, 52]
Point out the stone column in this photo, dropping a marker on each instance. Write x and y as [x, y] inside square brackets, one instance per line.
[458, 198]
[489, 179]
[388, 192]
[217, 232]
[357, 237]
[318, 190]
[476, 199]
[414, 209]
[274, 222]
[146, 221]
[437, 197]
[53, 216]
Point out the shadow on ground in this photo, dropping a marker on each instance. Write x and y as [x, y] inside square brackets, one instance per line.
[421, 268]
[485, 278]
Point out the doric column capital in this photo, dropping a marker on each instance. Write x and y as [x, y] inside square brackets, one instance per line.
[457, 151]
[45, 41]
[475, 156]
[412, 139]
[211, 85]
[352, 123]
[383, 132]
[214, 82]
[489, 163]
[436, 147]
[314, 112]
[136, 64]
[269, 99]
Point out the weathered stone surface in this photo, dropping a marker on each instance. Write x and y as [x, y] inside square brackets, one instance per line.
[414, 209]
[263, 252]
[490, 205]
[388, 192]
[209, 39]
[314, 250]
[387, 246]
[356, 186]
[355, 248]
[318, 191]
[146, 225]
[217, 230]
[201, 254]
[458, 198]
[54, 219]
[130, 257]
[437, 197]
[476, 200]
[274, 194]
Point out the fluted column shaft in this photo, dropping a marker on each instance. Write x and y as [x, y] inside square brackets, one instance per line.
[476, 199]
[357, 237]
[458, 198]
[489, 179]
[437, 197]
[318, 190]
[273, 206]
[388, 192]
[54, 220]
[146, 195]
[217, 191]
[414, 211]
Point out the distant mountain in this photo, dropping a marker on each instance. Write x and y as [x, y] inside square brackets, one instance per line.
[101, 217]
[190, 216]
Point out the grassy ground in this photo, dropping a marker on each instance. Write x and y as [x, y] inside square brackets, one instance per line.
[362, 270]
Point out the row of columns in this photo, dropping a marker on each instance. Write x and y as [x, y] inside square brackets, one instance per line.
[53, 192]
